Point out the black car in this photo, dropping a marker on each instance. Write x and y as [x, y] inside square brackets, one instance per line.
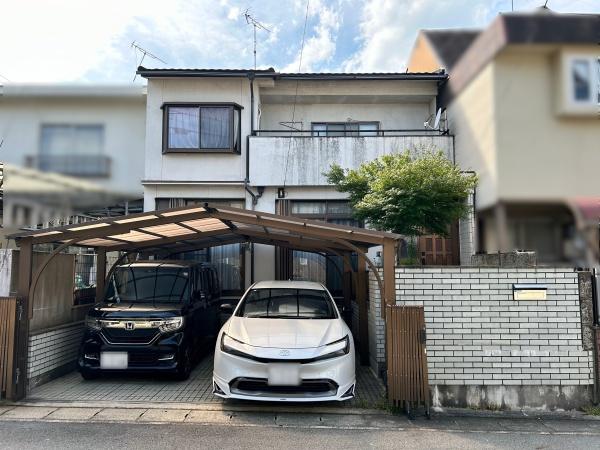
[155, 316]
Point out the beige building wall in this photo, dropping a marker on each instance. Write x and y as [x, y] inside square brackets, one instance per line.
[472, 119]
[542, 155]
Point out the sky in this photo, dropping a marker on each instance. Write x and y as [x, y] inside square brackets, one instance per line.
[49, 41]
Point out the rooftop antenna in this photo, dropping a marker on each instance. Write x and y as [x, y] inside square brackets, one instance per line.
[144, 52]
[255, 24]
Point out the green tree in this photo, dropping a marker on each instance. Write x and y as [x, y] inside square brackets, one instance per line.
[405, 194]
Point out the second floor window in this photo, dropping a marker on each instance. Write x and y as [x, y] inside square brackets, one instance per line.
[585, 79]
[331, 129]
[76, 149]
[197, 127]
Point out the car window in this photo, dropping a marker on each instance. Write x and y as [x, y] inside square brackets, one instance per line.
[150, 284]
[287, 304]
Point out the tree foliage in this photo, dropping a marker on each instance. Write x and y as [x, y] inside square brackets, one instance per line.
[405, 194]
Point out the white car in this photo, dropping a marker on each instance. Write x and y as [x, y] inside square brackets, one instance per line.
[285, 341]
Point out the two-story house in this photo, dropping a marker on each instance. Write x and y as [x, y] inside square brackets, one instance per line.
[81, 144]
[523, 100]
[261, 139]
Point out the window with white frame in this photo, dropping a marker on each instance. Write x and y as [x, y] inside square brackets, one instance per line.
[583, 81]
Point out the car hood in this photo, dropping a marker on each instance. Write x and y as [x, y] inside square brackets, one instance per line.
[135, 310]
[286, 333]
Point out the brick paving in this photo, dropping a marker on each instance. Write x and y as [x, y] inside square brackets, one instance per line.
[197, 389]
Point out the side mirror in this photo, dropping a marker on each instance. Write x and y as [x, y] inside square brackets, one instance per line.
[226, 308]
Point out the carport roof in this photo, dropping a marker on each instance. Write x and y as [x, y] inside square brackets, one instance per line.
[181, 229]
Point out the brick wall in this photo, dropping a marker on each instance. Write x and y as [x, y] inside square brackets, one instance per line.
[53, 352]
[478, 335]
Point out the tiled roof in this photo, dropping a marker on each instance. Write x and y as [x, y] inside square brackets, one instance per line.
[450, 44]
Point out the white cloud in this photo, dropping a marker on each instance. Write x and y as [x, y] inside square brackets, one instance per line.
[66, 40]
[388, 28]
[321, 46]
[234, 13]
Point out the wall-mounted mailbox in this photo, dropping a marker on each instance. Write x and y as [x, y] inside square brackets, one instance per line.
[529, 291]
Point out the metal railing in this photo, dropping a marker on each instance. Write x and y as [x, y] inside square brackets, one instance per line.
[351, 134]
[76, 165]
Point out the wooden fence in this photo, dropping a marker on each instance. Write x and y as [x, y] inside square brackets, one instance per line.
[407, 379]
[8, 310]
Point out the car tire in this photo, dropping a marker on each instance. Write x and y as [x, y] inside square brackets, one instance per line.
[184, 368]
[88, 375]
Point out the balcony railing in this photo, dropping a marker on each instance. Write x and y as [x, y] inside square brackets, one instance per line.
[357, 133]
[300, 160]
[75, 165]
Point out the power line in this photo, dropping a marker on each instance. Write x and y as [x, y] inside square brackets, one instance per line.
[287, 156]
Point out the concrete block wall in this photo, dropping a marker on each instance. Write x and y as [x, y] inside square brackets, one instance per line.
[487, 350]
[53, 352]
[376, 329]
[466, 234]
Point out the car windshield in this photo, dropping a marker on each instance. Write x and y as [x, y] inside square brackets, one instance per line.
[287, 304]
[148, 284]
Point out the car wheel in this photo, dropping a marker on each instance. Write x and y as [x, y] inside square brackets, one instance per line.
[88, 375]
[184, 368]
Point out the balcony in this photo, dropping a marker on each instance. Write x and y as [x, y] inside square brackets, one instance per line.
[276, 158]
[74, 165]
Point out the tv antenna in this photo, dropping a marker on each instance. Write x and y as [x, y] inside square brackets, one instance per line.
[144, 53]
[250, 20]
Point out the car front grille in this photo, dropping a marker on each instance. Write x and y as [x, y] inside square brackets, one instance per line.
[259, 387]
[133, 337]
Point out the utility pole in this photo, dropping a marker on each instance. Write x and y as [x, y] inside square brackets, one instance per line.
[255, 24]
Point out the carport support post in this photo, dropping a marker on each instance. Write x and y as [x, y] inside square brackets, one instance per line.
[100, 272]
[24, 313]
[347, 289]
[363, 311]
[389, 273]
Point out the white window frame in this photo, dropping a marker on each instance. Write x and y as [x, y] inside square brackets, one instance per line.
[571, 105]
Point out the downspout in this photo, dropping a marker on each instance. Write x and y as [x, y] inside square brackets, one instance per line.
[261, 189]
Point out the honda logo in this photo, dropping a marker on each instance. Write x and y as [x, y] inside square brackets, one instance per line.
[129, 325]
[284, 352]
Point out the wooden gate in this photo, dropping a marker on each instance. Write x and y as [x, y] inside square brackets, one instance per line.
[407, 379]
[8, 310]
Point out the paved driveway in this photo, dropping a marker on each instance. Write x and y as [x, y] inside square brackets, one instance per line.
[197, 389]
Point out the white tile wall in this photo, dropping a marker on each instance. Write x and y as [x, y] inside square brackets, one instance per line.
[52, 349]
[478, 335]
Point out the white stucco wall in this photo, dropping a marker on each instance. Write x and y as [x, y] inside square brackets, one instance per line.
[123, 118]
[194, 166]
[391, 116]
[301, 161]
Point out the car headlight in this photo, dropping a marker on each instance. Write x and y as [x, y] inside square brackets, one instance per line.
[334, 349]
[93, 323]
[172, 324]
[232, 346]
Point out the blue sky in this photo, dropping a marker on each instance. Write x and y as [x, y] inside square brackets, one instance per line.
[90, 41]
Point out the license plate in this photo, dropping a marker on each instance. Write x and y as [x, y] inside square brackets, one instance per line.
[114, 360]
[285, 374]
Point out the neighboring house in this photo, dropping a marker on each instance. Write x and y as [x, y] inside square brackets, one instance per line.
[262, 140]
[93, 133]
[523, 102]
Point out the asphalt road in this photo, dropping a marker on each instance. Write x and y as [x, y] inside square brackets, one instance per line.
[62, 435]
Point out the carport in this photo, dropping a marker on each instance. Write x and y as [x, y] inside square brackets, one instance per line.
[169, 232]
